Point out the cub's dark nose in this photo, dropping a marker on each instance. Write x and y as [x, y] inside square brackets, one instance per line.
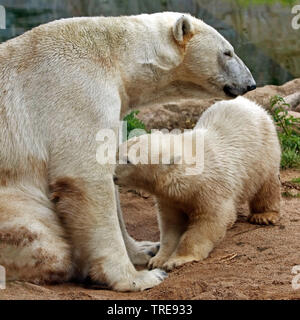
[115, 179]
[252, 87]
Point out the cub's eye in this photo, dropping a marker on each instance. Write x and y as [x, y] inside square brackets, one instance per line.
[228, 53]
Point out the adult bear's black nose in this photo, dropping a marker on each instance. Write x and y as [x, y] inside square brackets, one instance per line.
[234, 90]
[252, 87]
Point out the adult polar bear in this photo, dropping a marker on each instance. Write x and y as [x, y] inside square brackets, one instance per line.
[60, 84]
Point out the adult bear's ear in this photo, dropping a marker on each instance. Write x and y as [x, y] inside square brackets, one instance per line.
[183, 29]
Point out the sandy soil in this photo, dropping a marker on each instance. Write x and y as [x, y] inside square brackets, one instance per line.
[253, 262]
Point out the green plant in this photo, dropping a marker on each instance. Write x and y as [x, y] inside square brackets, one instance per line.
[296, 180]
[135, 127]
[287, 194]
[288, 132]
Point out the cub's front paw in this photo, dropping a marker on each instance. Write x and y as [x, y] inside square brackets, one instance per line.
[176, 262]
[157, 262]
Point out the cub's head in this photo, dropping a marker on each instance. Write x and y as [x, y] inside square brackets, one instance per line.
[203, 57]
[154, 163]
[140, 163]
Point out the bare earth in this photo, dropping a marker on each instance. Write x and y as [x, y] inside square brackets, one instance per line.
[253, 262]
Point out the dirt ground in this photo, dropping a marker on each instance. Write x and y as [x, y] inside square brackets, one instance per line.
[253, 262]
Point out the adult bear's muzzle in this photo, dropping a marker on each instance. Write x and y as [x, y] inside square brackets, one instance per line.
[233, 91]
[239, 76]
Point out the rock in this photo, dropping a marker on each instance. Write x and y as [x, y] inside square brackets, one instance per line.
[181, 114]
[184, 113]
[294, 114]
[293, 100]
[263, 95]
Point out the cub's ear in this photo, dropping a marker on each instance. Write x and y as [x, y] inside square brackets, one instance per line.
[183, 29]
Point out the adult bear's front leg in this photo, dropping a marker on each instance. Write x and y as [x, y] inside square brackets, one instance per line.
[89, 212]
[140, 252]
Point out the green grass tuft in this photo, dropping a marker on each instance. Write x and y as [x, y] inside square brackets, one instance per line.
[288, 133]
[296, 180]
[135, 127]
[287, 194]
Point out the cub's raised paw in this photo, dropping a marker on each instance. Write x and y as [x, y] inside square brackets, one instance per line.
[141, 252]
[144, 280]
[265, 218]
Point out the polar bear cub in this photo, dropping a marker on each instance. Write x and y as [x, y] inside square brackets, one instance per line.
[240, 160]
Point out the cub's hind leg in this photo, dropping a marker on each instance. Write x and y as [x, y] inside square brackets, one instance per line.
[265, 206]
[32, 243]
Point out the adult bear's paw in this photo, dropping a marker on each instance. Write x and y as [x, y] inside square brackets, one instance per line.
[144, 280]
[140, 253]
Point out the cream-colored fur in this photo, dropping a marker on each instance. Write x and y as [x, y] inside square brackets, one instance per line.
[241, 164]
[60, 84]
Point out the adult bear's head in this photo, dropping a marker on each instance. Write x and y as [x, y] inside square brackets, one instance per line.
[210, 60]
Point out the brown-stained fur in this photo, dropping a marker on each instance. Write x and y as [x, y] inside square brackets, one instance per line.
[42, 267]
[37, 169]
[6, 176]
[186, 40]
[70, 200]
[182, 45]
[20, 237]
[38, 239]
[72, 205]
[268, 197]
[96, 271]
[41, 275]
[265, 206]
[67, 188]
[42, 256]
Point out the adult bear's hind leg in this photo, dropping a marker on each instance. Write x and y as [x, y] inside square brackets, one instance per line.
[32, 243]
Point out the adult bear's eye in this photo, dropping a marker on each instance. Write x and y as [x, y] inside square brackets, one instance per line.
[228, 53]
